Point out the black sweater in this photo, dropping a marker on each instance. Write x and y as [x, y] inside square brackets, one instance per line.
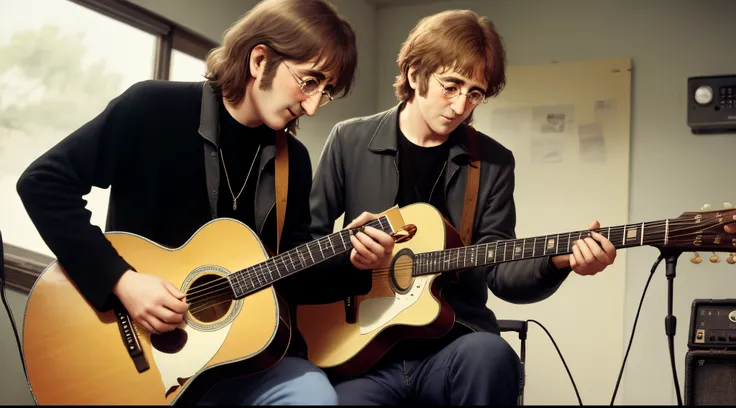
[146, 147]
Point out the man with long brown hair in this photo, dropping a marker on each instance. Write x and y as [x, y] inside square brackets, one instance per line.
[418, 152]
[178, 154]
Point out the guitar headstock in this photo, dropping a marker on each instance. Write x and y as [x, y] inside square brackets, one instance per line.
[705, 230]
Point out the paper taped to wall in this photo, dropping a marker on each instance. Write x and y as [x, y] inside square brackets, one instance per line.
[553, 119]
[592, 143]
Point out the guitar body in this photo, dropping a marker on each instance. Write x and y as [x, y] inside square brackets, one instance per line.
[76, 355]
[384, 316]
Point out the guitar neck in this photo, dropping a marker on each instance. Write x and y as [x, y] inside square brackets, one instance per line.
[623, 236]
[287, 263]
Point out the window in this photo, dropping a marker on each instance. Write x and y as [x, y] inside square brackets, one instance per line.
[61, 65]
[184, 67]
[61, 62]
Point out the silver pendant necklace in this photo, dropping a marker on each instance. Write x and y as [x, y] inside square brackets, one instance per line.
[235, 198]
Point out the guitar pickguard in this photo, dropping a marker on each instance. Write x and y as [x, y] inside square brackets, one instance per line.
[200, 340]
[374, 313]
[200, 348]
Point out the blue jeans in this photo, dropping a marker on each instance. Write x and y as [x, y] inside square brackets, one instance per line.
[292, 381]
[475, 369]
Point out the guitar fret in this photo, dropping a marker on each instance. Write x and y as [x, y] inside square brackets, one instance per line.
[343, 241]
[286, 267]
[319, 245]
[275, 268]
[523, 248]
[302, 258]
[623, 238]
[253, 285]
[258, 275]
[239, 280]
[262, 275]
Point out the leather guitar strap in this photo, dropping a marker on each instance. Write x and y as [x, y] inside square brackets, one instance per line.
[471, 188]
[282, 183]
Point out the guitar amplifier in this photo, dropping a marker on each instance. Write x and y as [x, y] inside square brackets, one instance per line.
[712, 324]
[710, 363]
[711, 106]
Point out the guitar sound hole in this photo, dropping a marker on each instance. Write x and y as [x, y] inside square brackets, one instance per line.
[401, 278]
[210, 298]
[169, 342]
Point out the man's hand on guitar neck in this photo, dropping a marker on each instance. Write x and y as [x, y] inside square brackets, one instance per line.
[588, 256]
[373, 248]
[154, 303]
[731, 228]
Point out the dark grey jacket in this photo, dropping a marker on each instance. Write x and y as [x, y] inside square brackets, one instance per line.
[358, 171]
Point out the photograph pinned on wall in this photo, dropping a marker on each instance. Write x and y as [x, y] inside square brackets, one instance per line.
[546, 150]
[604, 109]
[554, 120]
[592, 143]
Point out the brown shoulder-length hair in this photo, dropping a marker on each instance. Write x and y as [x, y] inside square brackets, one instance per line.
[458, 40]
[298, 30]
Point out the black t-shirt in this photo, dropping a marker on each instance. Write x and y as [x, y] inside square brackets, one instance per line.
[420, 169]
[240, 151]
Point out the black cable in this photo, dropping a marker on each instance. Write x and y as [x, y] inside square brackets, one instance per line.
[12, 322]
[633, 329]
[561, 358]
[7, 306]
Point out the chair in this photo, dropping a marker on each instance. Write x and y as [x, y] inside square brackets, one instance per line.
[521, 327]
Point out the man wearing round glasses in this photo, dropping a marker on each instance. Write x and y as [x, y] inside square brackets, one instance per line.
[178, 154]
[418, 152]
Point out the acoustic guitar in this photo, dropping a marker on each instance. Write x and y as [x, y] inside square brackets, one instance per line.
[236, 324]
[347, 338]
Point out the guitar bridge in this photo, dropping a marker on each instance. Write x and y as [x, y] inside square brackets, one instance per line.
[130, 339]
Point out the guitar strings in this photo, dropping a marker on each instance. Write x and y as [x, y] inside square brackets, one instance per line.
[380, 281]
[258, 270]
[383, 272]
[619, 235]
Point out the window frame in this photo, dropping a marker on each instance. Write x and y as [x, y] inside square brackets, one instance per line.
[23, 266]
[170, 35]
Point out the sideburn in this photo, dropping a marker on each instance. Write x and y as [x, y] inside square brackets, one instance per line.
[269, 72]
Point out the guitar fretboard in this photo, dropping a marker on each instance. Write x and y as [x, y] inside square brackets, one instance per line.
[280, 266]
[622, 236]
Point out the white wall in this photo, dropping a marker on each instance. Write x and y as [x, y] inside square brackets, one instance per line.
[671, 170]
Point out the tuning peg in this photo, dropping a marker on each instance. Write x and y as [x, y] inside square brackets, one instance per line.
[731, 258]
[715, 258]
[705, 207]
[727, 205]
[696, 259]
